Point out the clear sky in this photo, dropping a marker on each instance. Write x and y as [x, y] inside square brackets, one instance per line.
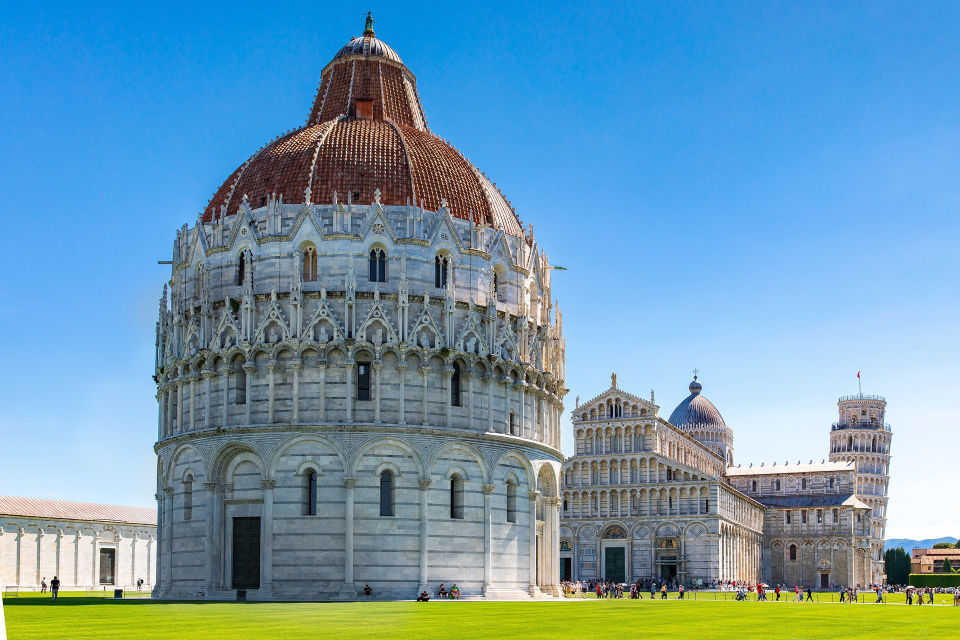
[765, 191]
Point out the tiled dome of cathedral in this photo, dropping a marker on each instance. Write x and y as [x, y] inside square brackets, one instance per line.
[366, 132]
[696, 411]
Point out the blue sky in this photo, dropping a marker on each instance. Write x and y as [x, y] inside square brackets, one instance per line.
[765, 191]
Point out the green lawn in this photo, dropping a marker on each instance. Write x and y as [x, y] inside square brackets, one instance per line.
[77, 617]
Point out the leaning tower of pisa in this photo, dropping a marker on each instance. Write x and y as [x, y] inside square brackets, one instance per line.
[862, 435]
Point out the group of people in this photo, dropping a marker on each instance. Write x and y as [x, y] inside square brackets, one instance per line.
[54, 587]
[442, 592]
[610, 589]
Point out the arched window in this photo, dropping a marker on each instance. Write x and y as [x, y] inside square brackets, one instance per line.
[240, 386]
[378, 265]
[309, 264]
[793, 552]
[363, 381]
[386, 493]
[188, 497]
[511, 501]
[241, 267]
[455, 386]
[456, 497]
[441, 266]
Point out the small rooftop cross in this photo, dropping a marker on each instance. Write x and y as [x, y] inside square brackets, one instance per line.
[696, 372]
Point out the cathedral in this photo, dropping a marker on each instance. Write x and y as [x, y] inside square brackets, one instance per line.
[359, 367]
[646, 498]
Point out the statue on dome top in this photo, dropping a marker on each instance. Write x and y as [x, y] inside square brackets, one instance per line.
[368, 27]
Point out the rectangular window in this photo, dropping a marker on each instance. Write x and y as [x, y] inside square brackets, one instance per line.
[836, 516]
[803, 517]
[363, 381]
[803, 483]
[789, 519]
[819, 516]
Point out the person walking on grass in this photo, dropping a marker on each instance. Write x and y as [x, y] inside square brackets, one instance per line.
[809, 595]
[879, 595]
[777, 591]
[54, 588]
[43, 584]
[663, 591]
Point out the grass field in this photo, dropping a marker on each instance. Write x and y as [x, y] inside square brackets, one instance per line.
[78, 617]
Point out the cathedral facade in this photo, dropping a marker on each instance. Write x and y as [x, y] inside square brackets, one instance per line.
[359, 367]
[647, 498]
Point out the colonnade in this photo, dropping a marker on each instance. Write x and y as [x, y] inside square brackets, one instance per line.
[681, 500]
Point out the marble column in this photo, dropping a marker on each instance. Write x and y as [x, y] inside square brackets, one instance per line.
[533, 495]
[424, 375]
[469, 378]
[272, 368]
[488, 380]
[167, 552]
[250, 370]
[224, 392]
[377, 372]
[447, 382]
[402, 374]
[214, 532]
[208, 375]
[424, 549]
[487, 537]
[171, 409]
[193, 402]
[349, 484]
[351, 368]
[296, 366]
[321, 405]
[266, 572]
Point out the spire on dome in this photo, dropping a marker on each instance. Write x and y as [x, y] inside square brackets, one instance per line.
[368, 27]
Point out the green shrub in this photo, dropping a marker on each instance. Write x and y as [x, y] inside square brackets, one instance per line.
[935, 579]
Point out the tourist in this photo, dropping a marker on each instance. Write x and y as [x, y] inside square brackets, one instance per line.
[843, 594]
[139, 584]
[909, 595]
[879, 595]
[680, 592]
[43, 584]
[663, 591]
[54, 587]
[599, 590]
[797, 594]
[809, 594]
[919, 596]
[777, 591]
[956, 597]
[653, 589]
[367, 590]
[424, 596]
[454, 592]
[442, 591]
[930, 593]
[578, 589]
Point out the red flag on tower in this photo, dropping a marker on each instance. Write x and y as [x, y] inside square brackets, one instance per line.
[858, 374]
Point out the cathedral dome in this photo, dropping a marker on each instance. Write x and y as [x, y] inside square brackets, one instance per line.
[696, 411]
[366, 133]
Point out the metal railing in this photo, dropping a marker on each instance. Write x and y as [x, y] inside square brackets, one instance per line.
[861, 396]
[875, 426]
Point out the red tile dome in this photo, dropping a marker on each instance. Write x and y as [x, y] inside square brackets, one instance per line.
[366, 131]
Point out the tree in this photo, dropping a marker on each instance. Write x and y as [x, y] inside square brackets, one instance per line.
[944, 545]
[897, 565]
[947, 567]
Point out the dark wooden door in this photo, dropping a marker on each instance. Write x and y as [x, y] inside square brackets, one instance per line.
[246, 553]
[108, 561]
[566, 568]
[614, 565]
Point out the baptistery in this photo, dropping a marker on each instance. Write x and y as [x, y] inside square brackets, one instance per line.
[359, 367]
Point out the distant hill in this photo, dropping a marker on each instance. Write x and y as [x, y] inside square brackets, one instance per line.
[909, 544]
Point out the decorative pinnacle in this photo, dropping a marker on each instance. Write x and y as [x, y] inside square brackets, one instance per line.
[368, 27]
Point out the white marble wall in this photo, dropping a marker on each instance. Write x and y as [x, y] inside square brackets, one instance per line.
[32, 549]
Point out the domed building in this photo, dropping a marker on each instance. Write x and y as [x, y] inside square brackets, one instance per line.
[360, 370]
[697, 416]
[653, 500]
